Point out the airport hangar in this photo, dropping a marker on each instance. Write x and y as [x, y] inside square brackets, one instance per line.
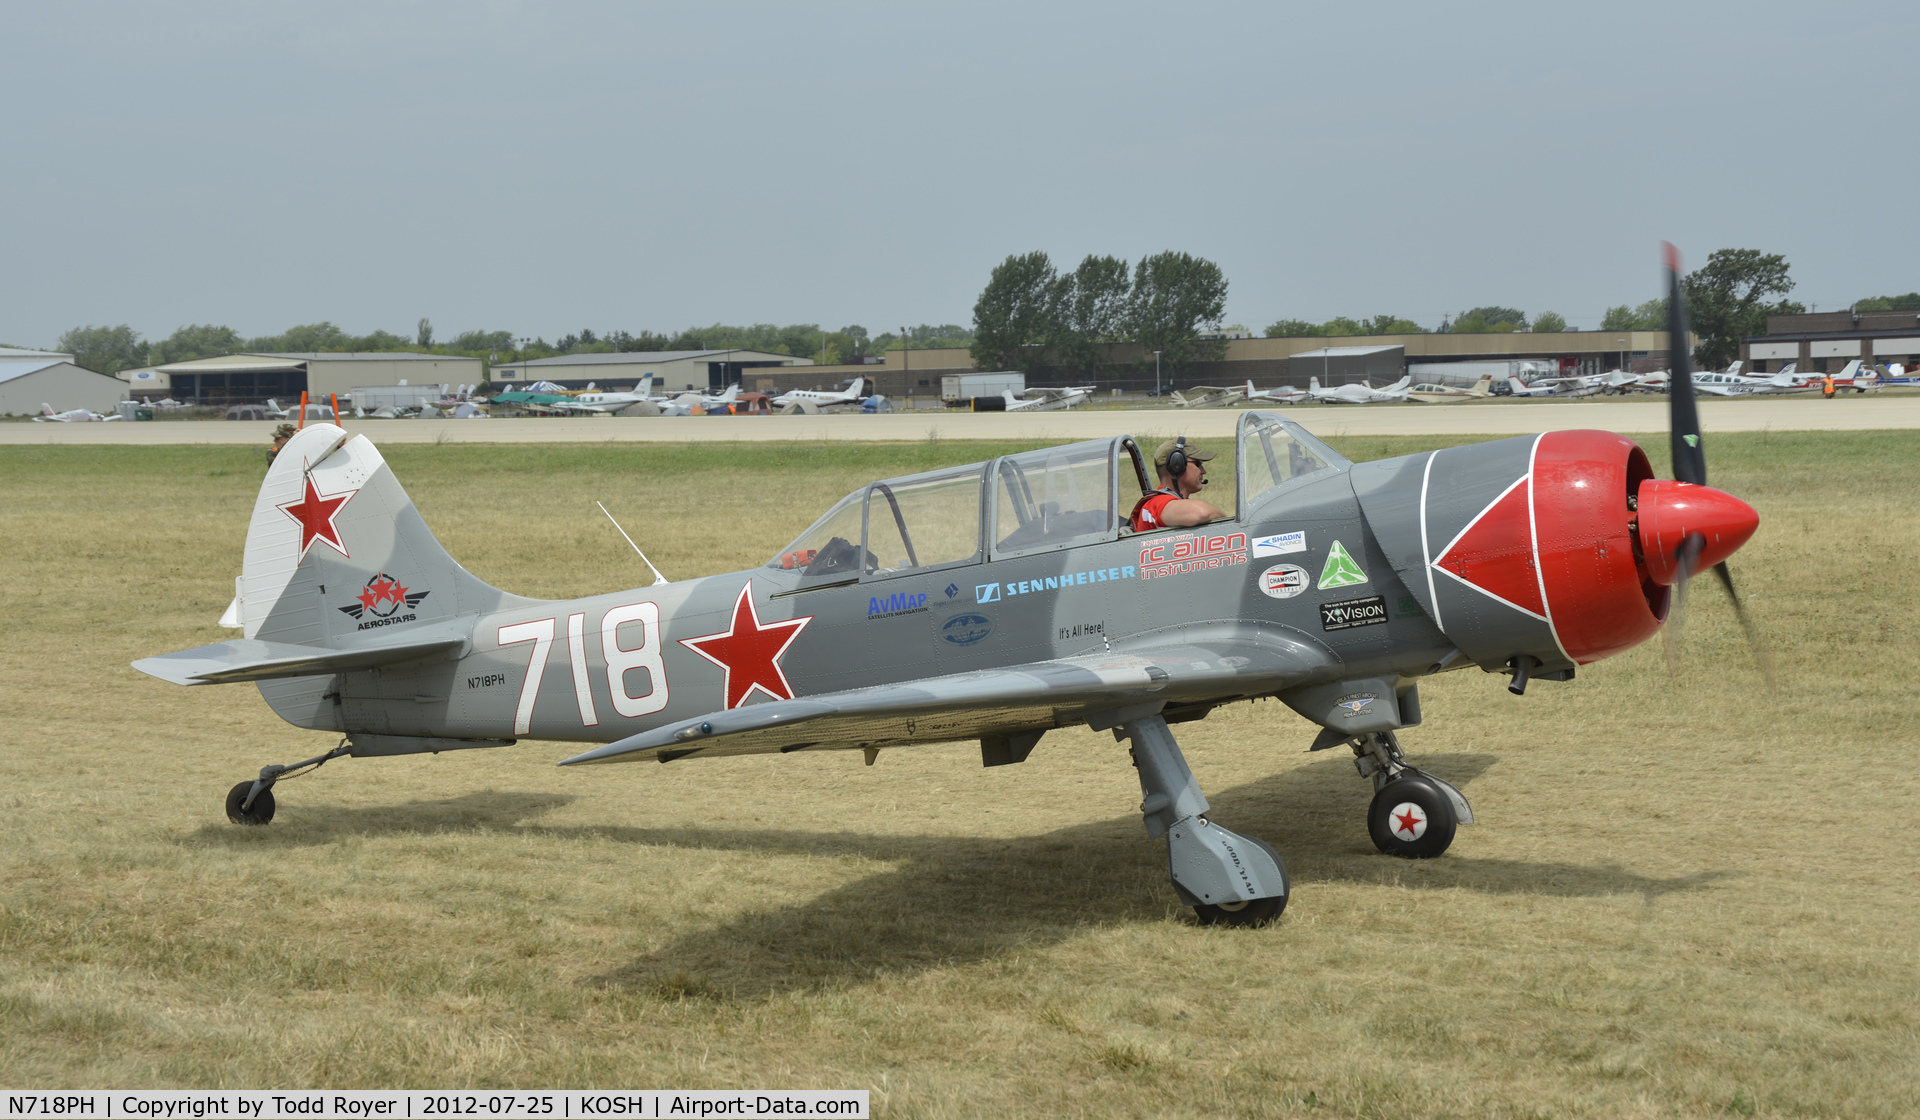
[31, 378]
[1267, 362]
[255, 377]
[671, 369]
[1828, 340]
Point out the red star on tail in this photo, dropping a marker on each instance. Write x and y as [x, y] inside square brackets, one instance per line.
[315, 515]
[749, 652]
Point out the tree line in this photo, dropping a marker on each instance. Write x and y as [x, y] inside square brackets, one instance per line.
[1031, 314]
[110, 349]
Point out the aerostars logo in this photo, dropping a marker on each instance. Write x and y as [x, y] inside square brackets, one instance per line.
[381, 599]
[1340, 569]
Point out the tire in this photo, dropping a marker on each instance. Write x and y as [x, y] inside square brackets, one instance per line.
[1255, 912]
[1411, 819]
[261, 811]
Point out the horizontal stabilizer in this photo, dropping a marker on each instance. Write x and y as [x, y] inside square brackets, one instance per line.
[249, 659]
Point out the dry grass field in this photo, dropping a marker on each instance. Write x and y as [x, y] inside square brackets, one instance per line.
[1685, 897]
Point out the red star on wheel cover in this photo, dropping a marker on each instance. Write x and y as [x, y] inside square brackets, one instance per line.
[749, 652]
[315, 515]
[1409, 821]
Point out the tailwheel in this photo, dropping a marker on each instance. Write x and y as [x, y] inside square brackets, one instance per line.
[1253, 912]
[1411, 818]
[240, 812]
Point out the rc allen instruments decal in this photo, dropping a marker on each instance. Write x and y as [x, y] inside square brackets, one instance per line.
[1177, 556]
[381, 600]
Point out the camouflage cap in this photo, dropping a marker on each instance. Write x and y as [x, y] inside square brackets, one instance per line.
[1194, 452]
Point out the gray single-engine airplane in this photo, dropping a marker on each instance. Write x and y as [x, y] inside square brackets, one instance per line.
[994, 602]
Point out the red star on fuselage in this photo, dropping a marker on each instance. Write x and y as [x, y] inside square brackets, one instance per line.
[749, 652]
[315, 515]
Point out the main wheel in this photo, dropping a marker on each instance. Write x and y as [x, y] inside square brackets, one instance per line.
[260, 812]
[1254, 912]
[1411, 818]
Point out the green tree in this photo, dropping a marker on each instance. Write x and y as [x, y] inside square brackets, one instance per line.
[1487, 320]
[105, 349]
[1908, 302]
[1393, 324]
[197, 341]
[1649, 316]
[310, 338]
[493, 341]
[1175, 295]
[1092, 311]
[423, 334]
[1549, 322]
[1292, 328]
[1726, 300]
[1342, 327]
[1016, 314]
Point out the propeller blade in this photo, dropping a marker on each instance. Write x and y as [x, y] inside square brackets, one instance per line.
[1684, 560]
[1683, 411]
[1762, 652]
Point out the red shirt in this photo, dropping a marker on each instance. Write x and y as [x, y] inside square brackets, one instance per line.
[1146, 515]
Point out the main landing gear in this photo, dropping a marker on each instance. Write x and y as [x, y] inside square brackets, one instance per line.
[1228, 879]
[1413, 814]
[251, 802]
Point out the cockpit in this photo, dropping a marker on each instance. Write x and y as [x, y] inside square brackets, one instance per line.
[1033, 502]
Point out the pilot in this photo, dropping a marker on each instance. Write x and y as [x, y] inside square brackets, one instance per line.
[1183, 471]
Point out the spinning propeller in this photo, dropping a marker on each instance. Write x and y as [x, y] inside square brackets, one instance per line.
[1686, 525]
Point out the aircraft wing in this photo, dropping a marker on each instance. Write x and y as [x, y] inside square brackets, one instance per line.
[1235, 661]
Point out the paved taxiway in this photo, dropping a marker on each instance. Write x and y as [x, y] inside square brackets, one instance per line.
[1504, 418]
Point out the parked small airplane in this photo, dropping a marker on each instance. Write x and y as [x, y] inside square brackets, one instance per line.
[1448, 394]
[1519, 388]
[610, 400]
[1050, 399]
[819, 400]
[1208, 396]
[995, 602]
[70, 416]
[1282, 394]
[1360, 392]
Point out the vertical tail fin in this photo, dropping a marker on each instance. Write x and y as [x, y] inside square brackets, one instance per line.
[336, 551]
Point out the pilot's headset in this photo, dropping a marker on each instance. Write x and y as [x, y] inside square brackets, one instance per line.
[1177, 462]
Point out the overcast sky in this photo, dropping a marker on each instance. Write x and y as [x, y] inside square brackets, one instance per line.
[542, 168]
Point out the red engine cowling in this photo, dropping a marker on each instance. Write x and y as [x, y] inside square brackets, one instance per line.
[1606, 532]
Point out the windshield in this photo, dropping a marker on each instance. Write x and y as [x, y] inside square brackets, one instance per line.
[927, 521]
[1274, 452]
[1052, 498]
[831, 546]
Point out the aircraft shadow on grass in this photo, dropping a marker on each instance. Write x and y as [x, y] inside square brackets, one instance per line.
[959, 899]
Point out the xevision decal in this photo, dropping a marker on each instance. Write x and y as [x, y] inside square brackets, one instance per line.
[1349, 613]
[1177, 556]
[990, 592]
[896, 604]
[381, 600]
